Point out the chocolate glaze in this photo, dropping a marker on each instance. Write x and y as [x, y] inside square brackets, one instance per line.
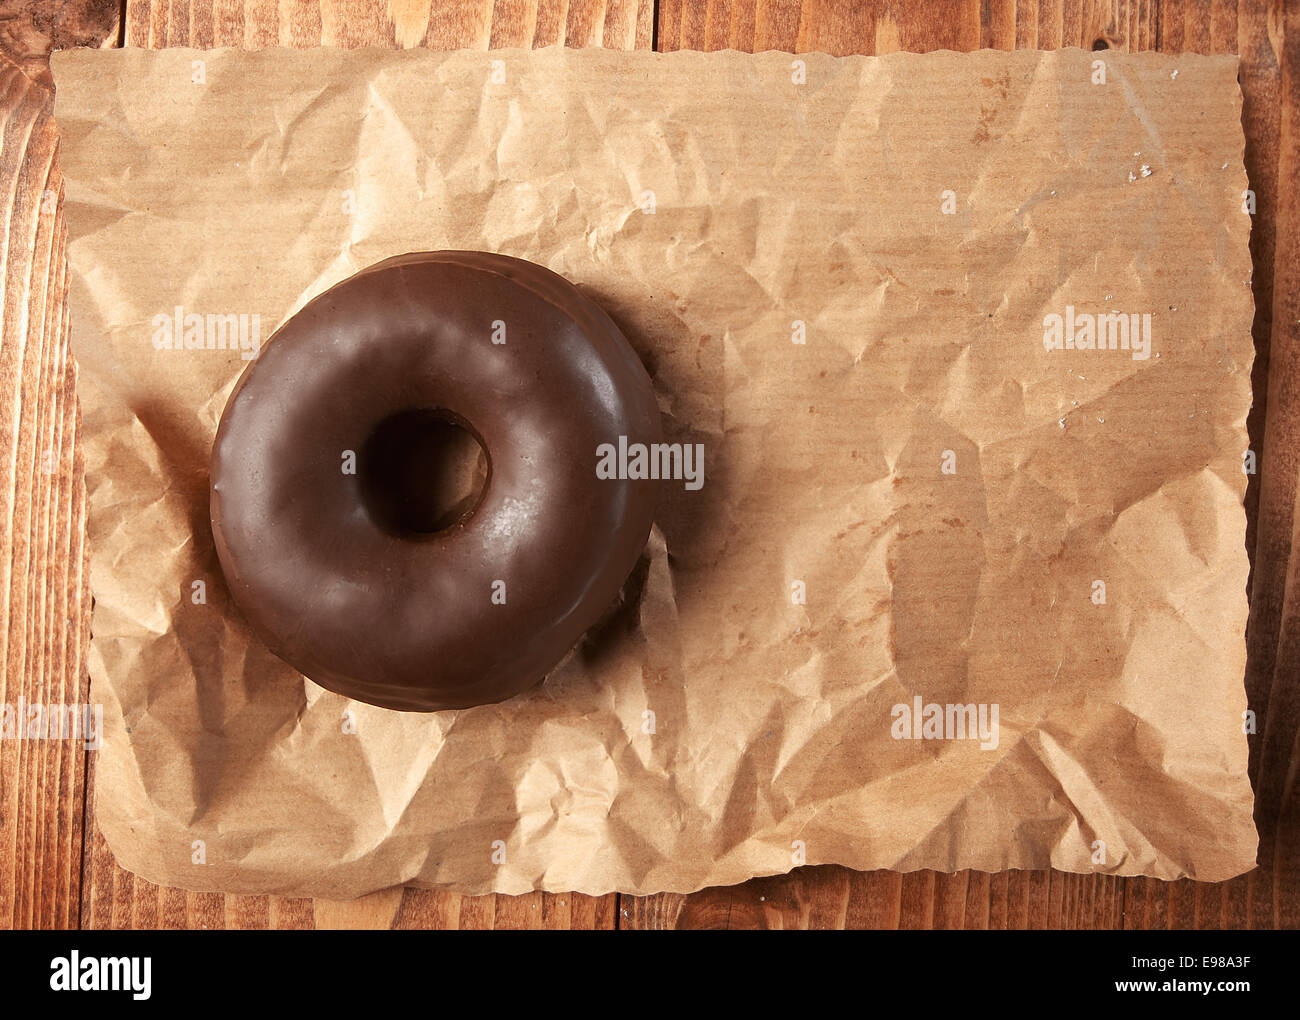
[405, 619]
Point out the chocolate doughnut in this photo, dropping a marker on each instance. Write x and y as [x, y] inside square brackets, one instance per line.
[320, 517]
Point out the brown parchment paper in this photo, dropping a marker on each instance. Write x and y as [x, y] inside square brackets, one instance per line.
[940, 489]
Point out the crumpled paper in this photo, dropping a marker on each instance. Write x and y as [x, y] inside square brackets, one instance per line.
[848, 278]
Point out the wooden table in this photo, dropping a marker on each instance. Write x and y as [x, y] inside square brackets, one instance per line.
[55, 870]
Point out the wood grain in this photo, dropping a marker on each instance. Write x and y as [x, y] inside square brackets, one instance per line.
[1273, 637]
[48, 878]
[42, 494]
[624, 24]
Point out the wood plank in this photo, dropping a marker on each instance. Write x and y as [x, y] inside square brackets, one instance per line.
[29, 29]
[468, 24]
[833, 897]
[1273, 635]
[42, 493]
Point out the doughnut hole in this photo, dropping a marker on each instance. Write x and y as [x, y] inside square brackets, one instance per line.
[421, 471]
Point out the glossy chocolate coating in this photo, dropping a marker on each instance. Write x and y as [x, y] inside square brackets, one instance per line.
[405, 620]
